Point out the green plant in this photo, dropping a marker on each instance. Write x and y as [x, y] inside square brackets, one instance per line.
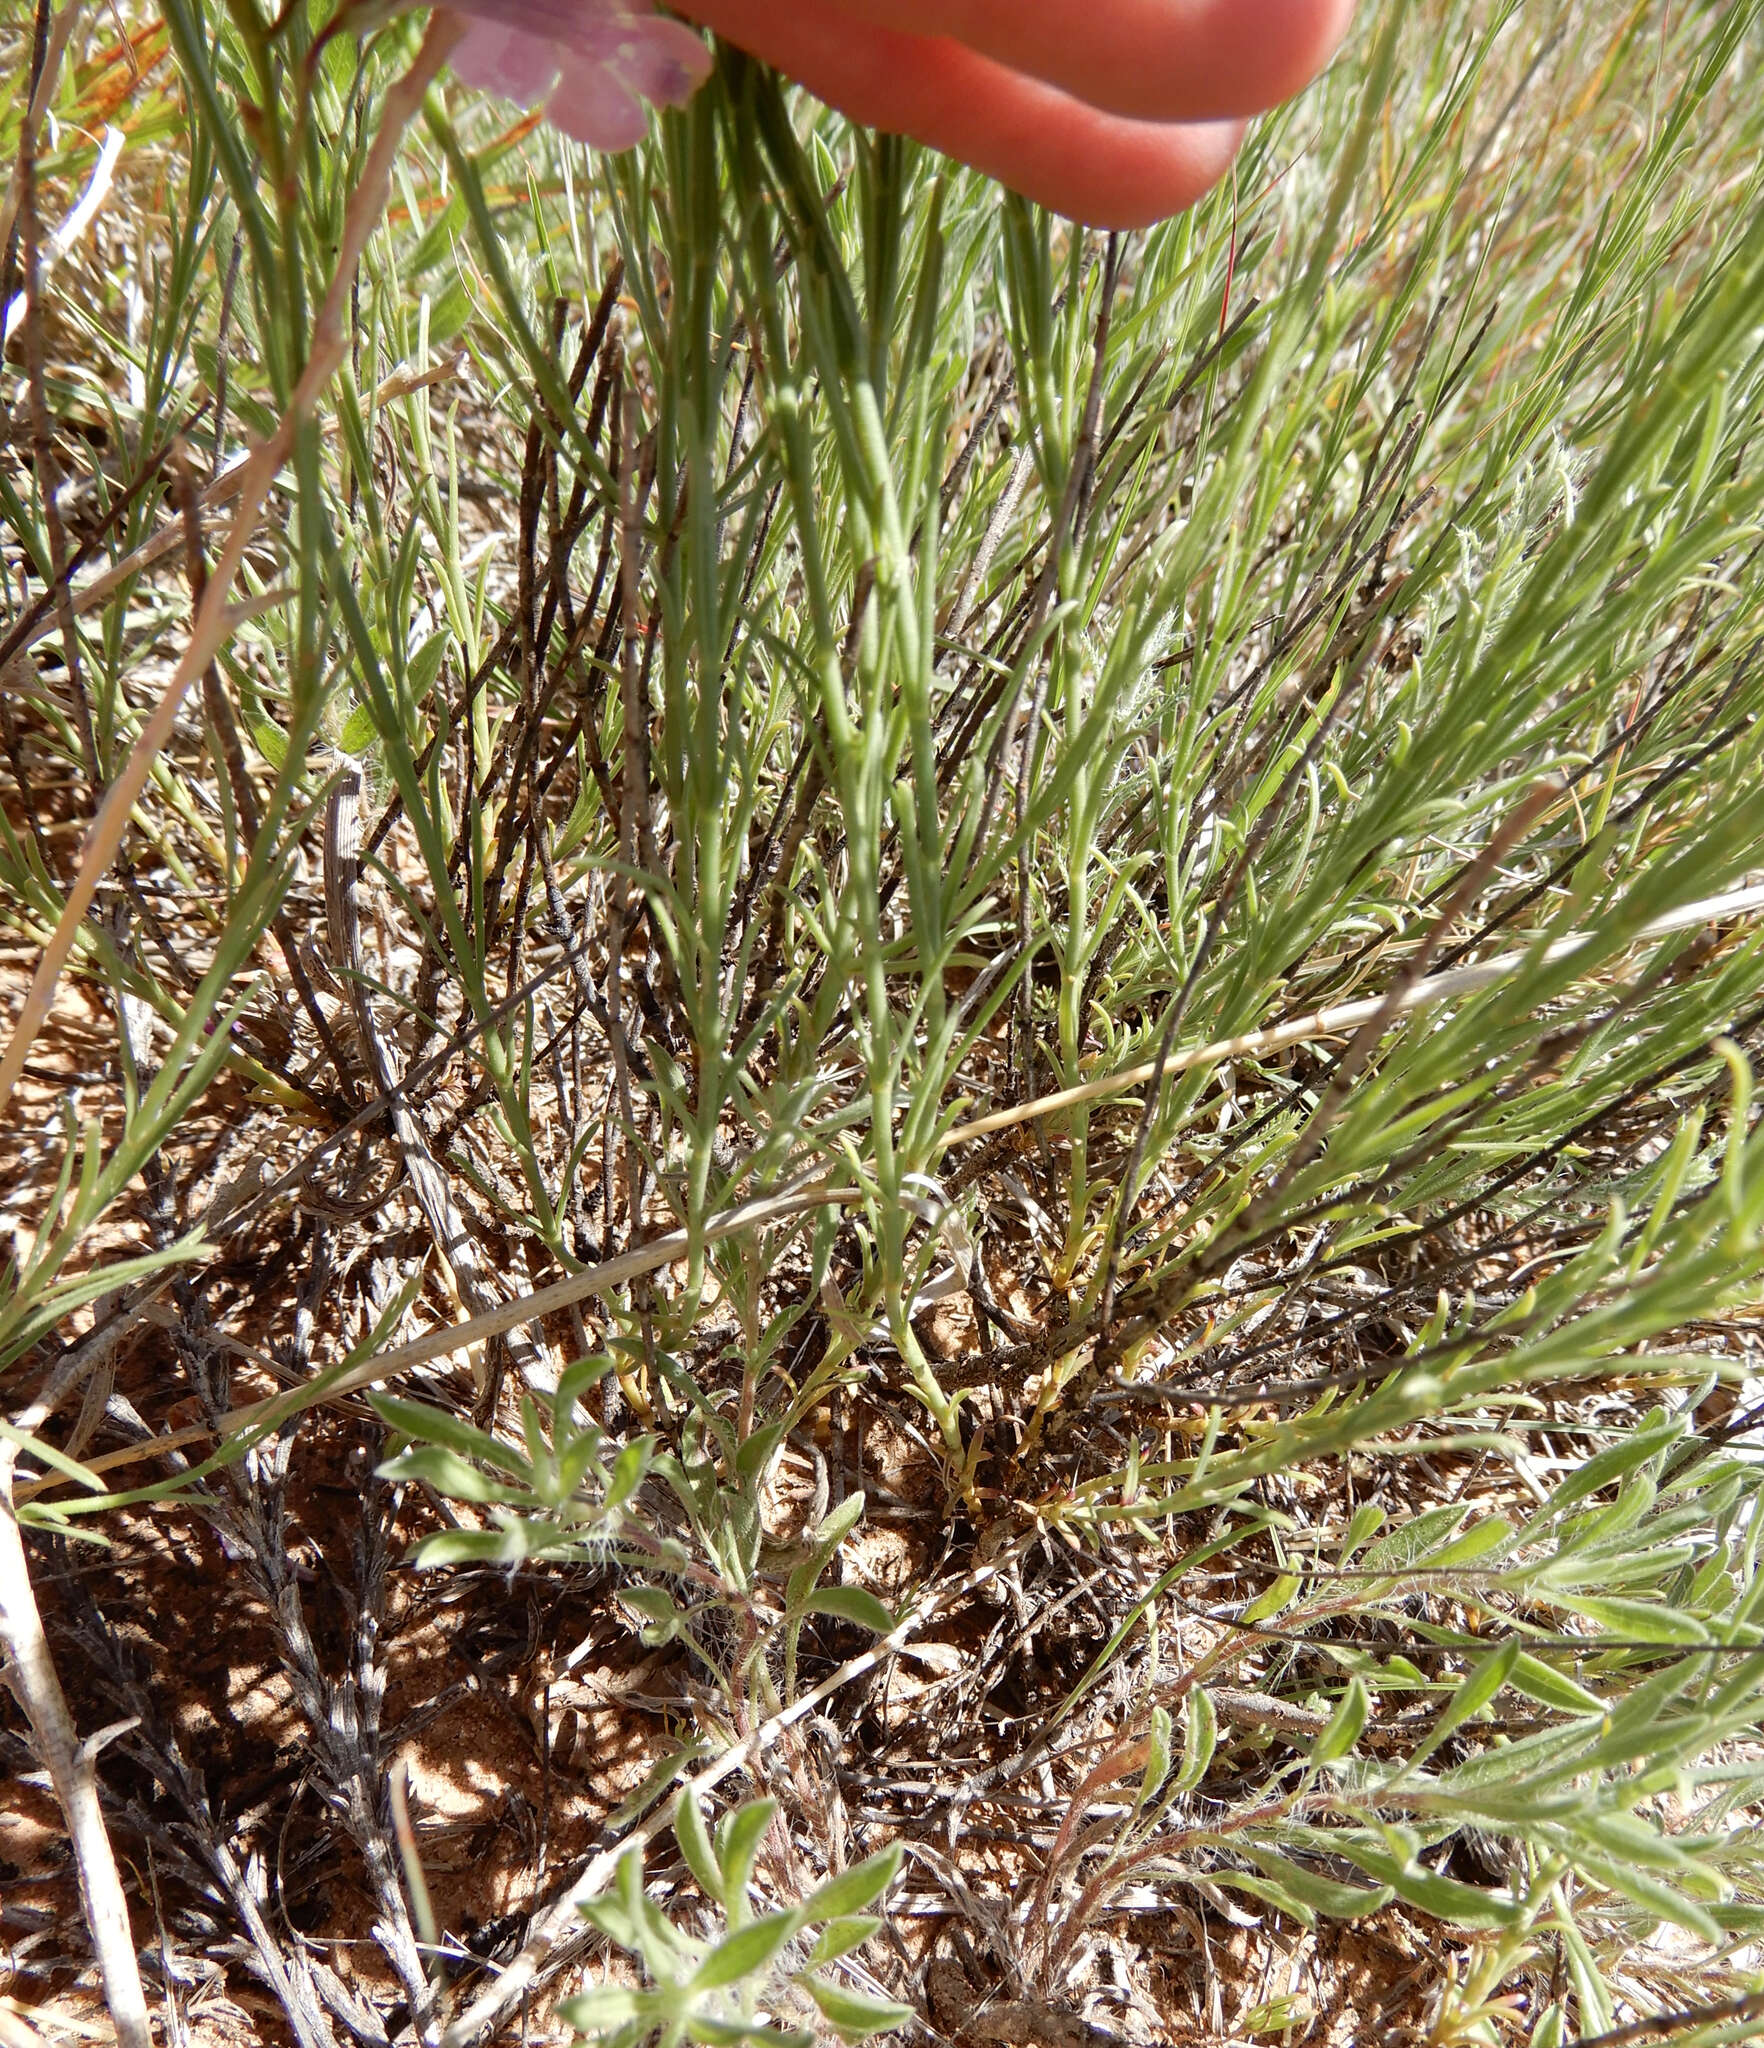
[741, 1982]
[1131, 859]
[568, 1493]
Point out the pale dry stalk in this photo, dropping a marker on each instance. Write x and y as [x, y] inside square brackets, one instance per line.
[30, 1671]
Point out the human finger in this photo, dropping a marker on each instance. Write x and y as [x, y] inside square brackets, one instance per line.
[1162, 60]
[1096, 167]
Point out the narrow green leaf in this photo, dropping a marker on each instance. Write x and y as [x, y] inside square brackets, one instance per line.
[1653, 1896]
[738, 1837]
[628, 1471]
[662, 1620]
[1325, 1895]
[852, 2016]
[359, 730]
[1266, 1605]
[1157, 1758]
[840, 1523]
[852, 1603]
[450, 1475]
[608, 2005]
[1413, 1539]
[839, 1937]
[1552, 1688]
[1200, 1733]
[1368, 1519]
[1480, 1541]
[695, 1844]
[1658, 1433]
[756, 1454]
[1271, 1892]
[1475, 1689]
[1639, 1620]
[1460, 1905]
[425, 1423]
[1344, 1726]
[56, 1460]
[745, 1952]
[854, 1889]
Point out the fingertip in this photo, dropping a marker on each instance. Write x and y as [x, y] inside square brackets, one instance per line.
[1299, 40]
[1158, 60]
[1132, 180]
[1096, 167]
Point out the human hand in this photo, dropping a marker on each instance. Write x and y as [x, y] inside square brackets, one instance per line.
[1117, 112]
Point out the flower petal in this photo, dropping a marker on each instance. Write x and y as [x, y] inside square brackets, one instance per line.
[661, 59]
[595, 106]
[494, 58]
[591, 27]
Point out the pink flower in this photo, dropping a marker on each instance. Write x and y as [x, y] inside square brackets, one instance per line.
[593, 62]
